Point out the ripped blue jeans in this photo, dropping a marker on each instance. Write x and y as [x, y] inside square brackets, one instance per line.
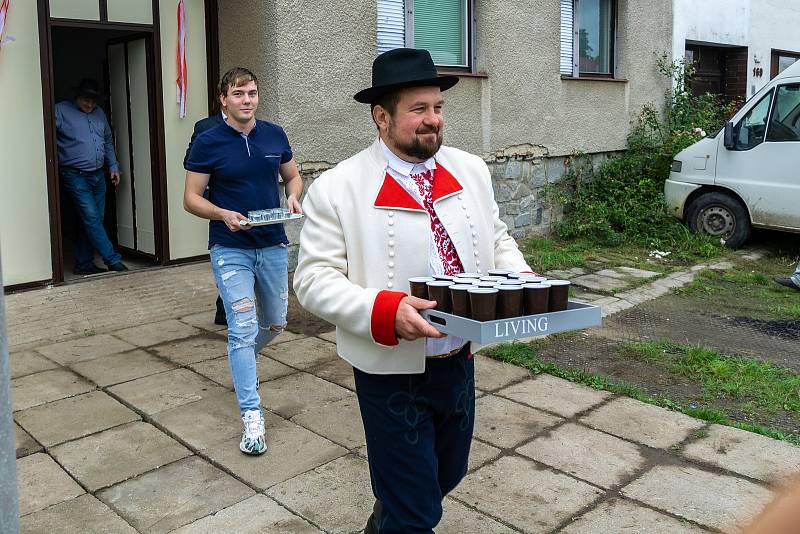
[254, 288]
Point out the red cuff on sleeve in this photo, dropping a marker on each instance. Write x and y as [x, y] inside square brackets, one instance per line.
[383, 314]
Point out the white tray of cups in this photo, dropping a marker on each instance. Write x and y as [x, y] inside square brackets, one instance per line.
[502, 306]
[269, 216]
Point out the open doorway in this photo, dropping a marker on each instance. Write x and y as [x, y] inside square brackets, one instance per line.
[122, 63]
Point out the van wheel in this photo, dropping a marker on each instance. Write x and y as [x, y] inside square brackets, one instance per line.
[719, 215]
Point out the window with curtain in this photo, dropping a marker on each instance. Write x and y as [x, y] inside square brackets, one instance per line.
[587, 37]
[440, 26]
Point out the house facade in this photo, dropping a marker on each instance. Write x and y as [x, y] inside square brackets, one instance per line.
[539, 80]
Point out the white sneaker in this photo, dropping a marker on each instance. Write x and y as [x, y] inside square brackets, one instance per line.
[253, 439]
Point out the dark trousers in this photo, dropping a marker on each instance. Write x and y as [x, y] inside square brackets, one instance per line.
[418, 429]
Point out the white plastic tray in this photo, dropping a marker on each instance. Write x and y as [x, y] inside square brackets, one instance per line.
[577, 316]
[290, 217]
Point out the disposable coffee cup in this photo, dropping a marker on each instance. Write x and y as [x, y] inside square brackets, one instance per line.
[536, 298]
[467, 276]
[509, 301]
[529, 278]
[483, 303]
[559, 295]
[459, 299]
[492, 278]
[481, 283]
[439, 291]
[498, 272]
[444, 277]
[418, 286]
[511, 282]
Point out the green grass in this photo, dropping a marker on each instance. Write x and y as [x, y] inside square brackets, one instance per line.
[546, 254]
[754, 290]
[761, 385]
[526, 355]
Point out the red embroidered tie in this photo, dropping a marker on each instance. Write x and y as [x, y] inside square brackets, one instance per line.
[447, 251]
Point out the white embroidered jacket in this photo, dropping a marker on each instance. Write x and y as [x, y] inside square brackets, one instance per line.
[364, 236]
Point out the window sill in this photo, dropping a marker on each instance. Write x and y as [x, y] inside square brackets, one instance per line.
[593, 79]
[463, 73]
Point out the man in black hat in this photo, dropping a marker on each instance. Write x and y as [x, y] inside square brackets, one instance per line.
[85, 144]
[406, 206]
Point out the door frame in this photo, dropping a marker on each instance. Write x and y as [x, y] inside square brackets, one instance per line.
[155, 92]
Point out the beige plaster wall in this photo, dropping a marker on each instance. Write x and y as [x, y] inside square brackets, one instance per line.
[313, 56]
[188, 235]
[24, 217]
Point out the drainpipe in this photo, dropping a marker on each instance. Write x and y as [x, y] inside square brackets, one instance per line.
[9, 505]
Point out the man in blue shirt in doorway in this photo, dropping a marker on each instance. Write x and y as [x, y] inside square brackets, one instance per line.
[84, 144]
[240, 162]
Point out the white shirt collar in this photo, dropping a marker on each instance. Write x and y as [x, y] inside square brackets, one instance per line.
[403, 167]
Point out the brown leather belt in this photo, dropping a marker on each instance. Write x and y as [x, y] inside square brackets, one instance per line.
[450, 354]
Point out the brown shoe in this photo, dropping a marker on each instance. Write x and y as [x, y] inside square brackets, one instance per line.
[788, 282]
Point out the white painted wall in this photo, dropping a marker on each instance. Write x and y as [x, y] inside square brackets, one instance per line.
[760, 25]
[24, 216]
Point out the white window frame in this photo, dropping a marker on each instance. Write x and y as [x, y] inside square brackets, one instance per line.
[389, 7]
[570, 41]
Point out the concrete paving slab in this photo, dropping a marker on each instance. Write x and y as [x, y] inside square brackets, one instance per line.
[118, 368]
[642, 423]
[156, 393]
[41, 483]
[75, 516]
[27, 363]
[621, 515]
[459, 519]
[256, 515]
[500, 489]
[611, 273]
[506, 424]
[746, 453]
[599, 283]
[491, 374]
[291, 450]
[480, 454]
[610, 462]
[192, 350]
[717, 501]
[74, 417]
[585, 296]
[118, 454]
[554, 394]
[47, 386]
[328, 336]
[24, 443]
[150, 334]
[204, 320]
[338, 421]
[337, 371]
[637, 273]
[219, 370]
[203, 423]
[336, 496]
[84, 348]
[194, 489]
[294, 394]
[302, 354]
[286, 335]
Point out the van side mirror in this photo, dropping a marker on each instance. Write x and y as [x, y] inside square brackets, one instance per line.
[729, 139]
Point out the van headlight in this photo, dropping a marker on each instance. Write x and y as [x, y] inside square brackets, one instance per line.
[676, 165]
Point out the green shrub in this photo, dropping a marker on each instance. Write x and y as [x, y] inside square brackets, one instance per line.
[622, 199]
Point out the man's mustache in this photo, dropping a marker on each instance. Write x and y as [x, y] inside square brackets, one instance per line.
[432, 129]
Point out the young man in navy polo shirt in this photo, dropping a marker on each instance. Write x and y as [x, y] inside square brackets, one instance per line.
[240, 160]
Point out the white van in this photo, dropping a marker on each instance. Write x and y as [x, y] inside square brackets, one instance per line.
[748, 174]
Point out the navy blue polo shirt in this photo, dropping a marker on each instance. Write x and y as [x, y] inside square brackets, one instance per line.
[243, 173]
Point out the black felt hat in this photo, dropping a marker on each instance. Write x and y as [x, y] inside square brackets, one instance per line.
[89, 88]
[403, 67]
